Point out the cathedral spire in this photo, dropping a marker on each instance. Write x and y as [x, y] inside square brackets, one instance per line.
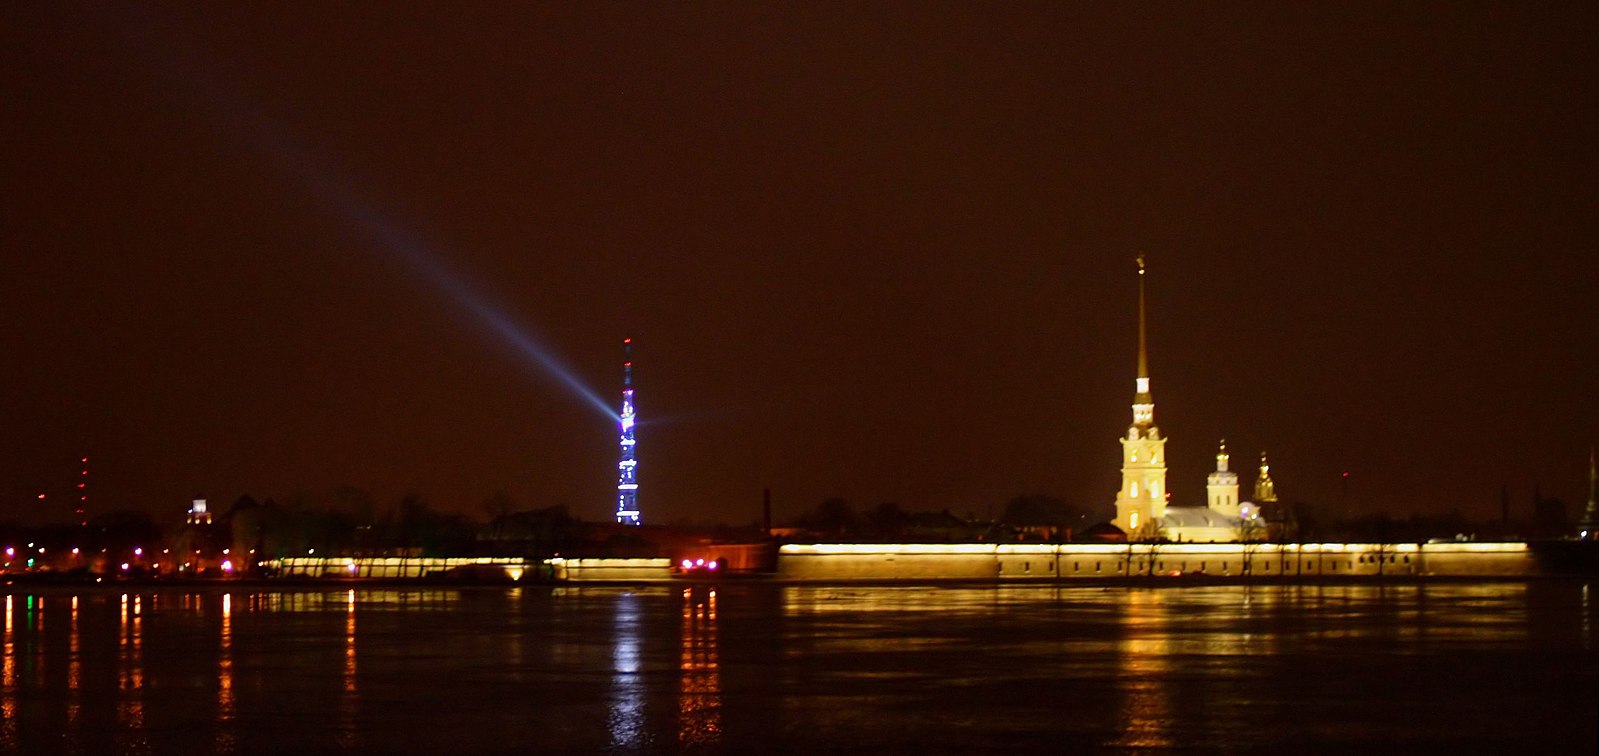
[1141, 503]
[1143, 402]
[1143, 349]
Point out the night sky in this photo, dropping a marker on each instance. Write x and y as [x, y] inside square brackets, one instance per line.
[876, 251]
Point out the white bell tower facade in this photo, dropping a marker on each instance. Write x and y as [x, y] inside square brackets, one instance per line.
[1221, 488]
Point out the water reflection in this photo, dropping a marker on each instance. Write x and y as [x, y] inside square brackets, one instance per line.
[74, 675]
[626, 720]
[700, 681]
[874, 669]
[347, 698]
[35, 669]
[8, 678]
[1144, 671]
[1586, 621]
[225, 739]
[130, 674]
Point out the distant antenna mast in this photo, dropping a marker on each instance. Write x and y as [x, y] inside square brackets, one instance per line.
[83, 491]
[627, 512]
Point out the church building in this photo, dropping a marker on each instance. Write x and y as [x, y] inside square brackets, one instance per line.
[1142, 511]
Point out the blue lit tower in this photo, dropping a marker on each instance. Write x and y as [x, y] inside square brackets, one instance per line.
[627, 468]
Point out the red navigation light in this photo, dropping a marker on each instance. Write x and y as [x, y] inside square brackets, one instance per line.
[624, 341]
[41, 497]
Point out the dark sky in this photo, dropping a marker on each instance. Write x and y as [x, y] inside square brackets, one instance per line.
[878, 251]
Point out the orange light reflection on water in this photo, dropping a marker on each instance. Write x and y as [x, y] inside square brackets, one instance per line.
[130, 673]
[700, 681]
[348, 702]
[8, 678]
[226, 706]
[74, 674]
[1144, 657]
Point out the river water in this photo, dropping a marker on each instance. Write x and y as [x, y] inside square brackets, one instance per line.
[752, 668]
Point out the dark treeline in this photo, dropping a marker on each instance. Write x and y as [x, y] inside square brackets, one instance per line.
[352, 522]
[346, 522]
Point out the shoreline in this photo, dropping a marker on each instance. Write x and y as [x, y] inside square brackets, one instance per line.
[16, 585]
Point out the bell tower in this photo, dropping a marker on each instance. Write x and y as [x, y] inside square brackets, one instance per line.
[1141, 502]
[1221, 488]
[1265, 489]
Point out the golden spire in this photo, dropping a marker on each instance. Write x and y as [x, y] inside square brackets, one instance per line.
[1143, 403]
[1143, 353]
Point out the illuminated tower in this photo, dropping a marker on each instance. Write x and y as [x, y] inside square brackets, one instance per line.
[198, 514]
[627, 468]
[1265, 490]
[1221, 487]
[1590, 516]
[1141, 503]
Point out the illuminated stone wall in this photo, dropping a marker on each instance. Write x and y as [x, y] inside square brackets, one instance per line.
[1030, 562]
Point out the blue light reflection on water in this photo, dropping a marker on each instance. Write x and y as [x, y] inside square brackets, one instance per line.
[626, 716]
[741, 667]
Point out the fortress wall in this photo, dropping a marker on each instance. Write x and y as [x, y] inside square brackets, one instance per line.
[395, 567]
[985, 561]
[1045, 562]
[1478, 559]
[851, 561]
[611, 569]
